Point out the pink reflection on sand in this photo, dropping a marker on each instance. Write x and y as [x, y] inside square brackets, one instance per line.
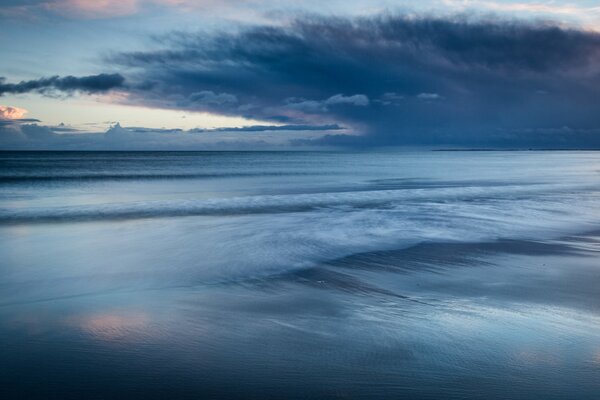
[113, 325]
[596, 357]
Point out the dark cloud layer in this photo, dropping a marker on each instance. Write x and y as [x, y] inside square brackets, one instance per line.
[276, 128]
[88, 84]
[396, 80]
[7, 122]
[24, 135]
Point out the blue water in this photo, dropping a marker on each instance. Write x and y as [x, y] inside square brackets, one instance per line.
[300, 275]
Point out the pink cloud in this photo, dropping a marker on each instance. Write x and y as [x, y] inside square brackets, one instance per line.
[8, 112]
[93, 8]
[96, 9]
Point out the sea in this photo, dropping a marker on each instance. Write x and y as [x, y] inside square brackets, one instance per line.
[300, 275]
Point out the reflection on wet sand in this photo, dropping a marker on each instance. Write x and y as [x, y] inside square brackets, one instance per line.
[115, 326]
[349, 332]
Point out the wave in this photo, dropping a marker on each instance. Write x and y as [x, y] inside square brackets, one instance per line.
[55, 177]
[273, 204]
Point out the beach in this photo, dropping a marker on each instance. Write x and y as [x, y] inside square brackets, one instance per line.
[258, 275]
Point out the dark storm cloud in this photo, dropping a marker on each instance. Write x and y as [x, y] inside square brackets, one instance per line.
[89, 84]
[272, 128]
[397, 80]
[249, 129]
[7, 122]
[20, 135]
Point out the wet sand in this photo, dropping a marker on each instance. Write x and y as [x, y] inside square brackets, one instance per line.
[498, 320]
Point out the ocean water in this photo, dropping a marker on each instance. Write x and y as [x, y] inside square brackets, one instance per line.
[424, 275]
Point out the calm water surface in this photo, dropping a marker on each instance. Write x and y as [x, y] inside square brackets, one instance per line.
[257, 275]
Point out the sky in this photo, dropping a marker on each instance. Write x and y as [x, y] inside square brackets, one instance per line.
[282, 74]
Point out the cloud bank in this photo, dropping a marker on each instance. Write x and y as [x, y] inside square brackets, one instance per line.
[389, 80]
[396, 80]
[25, 135]
[68, 84]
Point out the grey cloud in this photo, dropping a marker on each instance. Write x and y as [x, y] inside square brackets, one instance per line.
[429, 96]
[6, 122]
[39, 137]
[308, 106]
[88, 84]
[320, 106]
[210, 97]
[356, 100]
[273, 128]
[390, 98]
[64, 128]
[488, 72]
